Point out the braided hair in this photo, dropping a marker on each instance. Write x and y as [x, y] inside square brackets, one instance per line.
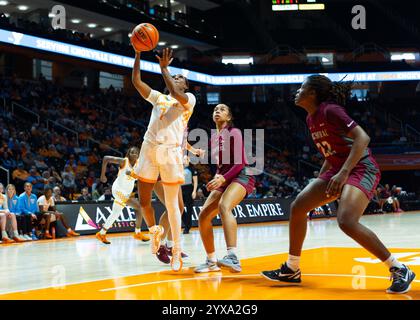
[327, 90]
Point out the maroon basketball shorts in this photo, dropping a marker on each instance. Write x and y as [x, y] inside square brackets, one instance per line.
[365, 176]
[248, 182]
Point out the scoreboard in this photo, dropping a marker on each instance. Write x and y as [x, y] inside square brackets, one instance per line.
[295, 5]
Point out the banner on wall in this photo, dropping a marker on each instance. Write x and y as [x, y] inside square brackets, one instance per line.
[88, 217]
[67, 49]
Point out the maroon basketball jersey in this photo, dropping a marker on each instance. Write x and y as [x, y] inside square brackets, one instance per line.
[329, 126]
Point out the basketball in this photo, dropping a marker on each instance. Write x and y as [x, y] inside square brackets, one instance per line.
[144, 37]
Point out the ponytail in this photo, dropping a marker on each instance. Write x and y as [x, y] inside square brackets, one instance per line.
[340, 92]
[326, 90]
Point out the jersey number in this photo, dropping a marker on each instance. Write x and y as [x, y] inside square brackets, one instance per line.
[325, 148]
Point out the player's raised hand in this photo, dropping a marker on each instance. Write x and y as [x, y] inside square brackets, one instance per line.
[166, 58]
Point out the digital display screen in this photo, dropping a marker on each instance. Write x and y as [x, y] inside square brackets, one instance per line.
[297, 5]
[62, 48]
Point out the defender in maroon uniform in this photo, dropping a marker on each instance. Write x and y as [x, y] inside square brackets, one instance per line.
[349, 172]
[229, 187]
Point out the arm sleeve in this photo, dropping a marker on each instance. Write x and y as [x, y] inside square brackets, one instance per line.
[153, 96]
[338, 116]
[237, 144]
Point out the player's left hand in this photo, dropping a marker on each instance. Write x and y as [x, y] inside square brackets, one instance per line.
[336, 184]
[166, 58]
[194, 195]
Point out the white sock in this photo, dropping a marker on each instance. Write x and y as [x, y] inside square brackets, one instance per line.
[169, 243]
[116, 212]
[231, 250]
[16, 234]
[174, 214]
[137, 230]
[212, 257]
[293, 262]
[4, 234]
[393, 262]
[69, 229]
[103, 231]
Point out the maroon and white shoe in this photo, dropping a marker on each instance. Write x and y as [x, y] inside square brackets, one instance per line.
[169, 250]
[162, 255]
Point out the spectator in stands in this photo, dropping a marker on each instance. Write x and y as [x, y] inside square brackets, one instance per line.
[46, 205]
[23, 221]
[72, 163]
[28, 206]
[37, 181]
[20, 175]
[107, 196]
[57, 195]
[85, 196]
[69, 182]
[46, 215]
[4, 216]
[12, 205]
[55, 174]
[395, 192]
[374, 204]
[384, 194]
[254, 194]
[7, 161]
[97, 189]
[292, 183]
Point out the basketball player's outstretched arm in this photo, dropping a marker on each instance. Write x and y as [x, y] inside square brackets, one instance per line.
[197, 152]
[142, 87]
[175, 92]
[105, 161]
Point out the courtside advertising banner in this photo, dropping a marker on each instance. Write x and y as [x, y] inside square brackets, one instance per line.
[88, 217]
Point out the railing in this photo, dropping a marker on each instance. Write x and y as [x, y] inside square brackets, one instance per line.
[7, 174]
[369, 47]
[111, 113]
[55, 123]
[4, 111]
[393, 120]
[17, 105]
[90, 140]
[410, 129]
[282, 50]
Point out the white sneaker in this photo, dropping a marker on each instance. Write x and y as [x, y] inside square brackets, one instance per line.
[208, 266]
[176, 260]
[27, 238]
[156, 232]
